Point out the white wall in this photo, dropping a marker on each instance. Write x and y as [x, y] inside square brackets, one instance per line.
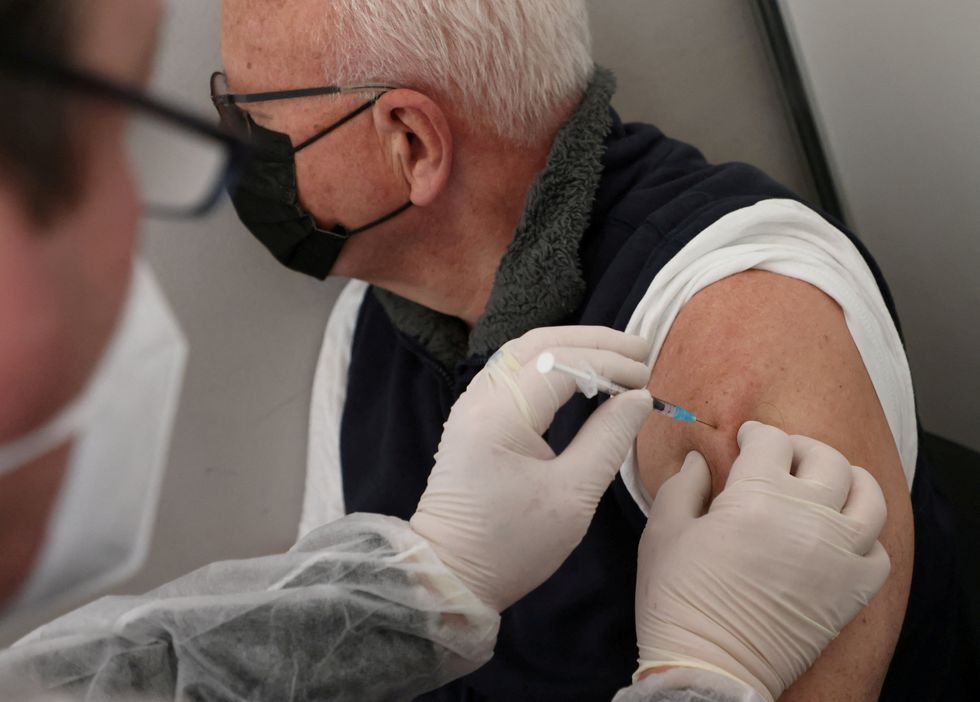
[896, 89]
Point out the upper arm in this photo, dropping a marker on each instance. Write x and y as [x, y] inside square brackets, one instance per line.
[762, 346]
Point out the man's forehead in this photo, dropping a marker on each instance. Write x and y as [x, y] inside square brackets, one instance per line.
[273, 44]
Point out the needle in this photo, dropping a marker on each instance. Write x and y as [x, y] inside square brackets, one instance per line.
[591, 383]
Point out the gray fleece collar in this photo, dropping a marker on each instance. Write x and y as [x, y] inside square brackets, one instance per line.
[539, 281]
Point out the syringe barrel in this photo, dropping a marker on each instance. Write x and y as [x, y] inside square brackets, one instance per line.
[673, 411]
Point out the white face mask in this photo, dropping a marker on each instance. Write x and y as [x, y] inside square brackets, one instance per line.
[103, 518]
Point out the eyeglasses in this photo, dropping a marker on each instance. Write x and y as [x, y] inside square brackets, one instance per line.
[182, 163]
[240, 122]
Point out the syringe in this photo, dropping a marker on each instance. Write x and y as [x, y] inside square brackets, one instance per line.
[591, 383]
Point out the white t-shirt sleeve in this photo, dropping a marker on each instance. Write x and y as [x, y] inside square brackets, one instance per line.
[785, 237]
[323, 498]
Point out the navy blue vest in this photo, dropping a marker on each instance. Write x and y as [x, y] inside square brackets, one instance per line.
[573, 638]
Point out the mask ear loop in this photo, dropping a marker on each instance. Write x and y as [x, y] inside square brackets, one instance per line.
[340, 233]
[344, 234]
[336, 125]
[70, 421]
[63, 426]
[380, 220]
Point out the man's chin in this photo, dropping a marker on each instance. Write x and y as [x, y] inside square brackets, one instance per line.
[360, 260]
[346, 264]
[347, 269]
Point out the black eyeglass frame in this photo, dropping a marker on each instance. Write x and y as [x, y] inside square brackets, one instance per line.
[225, 102]
[237, 98]
[237, 151]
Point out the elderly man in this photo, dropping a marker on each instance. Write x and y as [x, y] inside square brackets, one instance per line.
[468, 169]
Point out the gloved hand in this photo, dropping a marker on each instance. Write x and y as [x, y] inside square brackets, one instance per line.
[500, 509]
[785, 557]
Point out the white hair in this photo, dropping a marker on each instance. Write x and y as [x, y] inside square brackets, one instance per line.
[512, 64]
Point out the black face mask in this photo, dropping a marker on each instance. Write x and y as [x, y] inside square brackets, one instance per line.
[266, 199]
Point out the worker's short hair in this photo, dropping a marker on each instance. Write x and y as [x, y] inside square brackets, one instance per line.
[37, 152]
[513, 63]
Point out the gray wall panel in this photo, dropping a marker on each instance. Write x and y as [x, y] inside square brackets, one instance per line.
[699, 70]
[896, 89]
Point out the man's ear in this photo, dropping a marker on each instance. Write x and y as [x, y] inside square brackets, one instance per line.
[416, 133]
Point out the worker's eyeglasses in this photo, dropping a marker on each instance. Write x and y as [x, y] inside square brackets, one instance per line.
[183, 163]
[238, 121]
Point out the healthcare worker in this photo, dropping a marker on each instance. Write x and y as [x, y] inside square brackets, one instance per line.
[734, 601]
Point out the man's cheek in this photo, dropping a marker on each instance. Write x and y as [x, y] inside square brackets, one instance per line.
[318, 194]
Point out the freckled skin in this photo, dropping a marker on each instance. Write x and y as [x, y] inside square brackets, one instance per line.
[766, 347]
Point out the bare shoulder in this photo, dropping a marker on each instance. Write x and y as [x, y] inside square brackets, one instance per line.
[762, 346]
[758, 345]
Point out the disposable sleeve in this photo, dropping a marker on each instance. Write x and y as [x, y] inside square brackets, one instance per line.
[359, 609]
[688, 685]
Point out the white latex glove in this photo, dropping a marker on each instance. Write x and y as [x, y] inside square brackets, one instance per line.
[500, 509]
[785, 557]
